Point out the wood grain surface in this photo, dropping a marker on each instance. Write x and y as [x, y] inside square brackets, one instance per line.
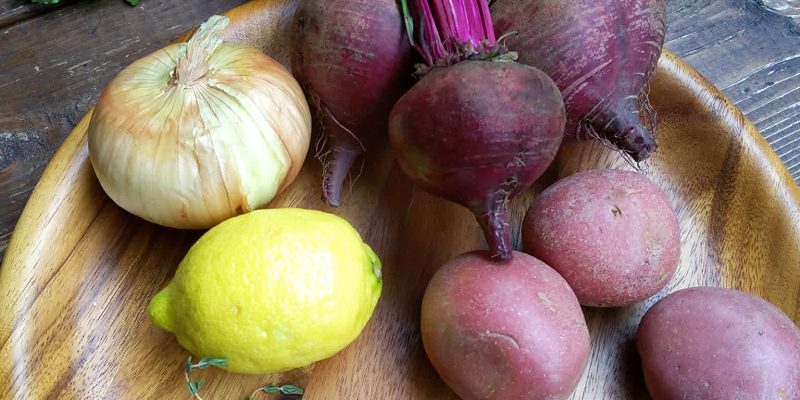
[55, 60]
[80, 271]
[753, 56]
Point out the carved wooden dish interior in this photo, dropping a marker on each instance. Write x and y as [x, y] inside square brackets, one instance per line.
[79, 272]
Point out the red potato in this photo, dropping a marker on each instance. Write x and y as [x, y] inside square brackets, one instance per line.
[504, 331]
[719, 344]
[612, 234]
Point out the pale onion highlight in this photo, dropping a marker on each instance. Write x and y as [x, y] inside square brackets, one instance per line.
[196, 133]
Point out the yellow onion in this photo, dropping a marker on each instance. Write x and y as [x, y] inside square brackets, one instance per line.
[198, 132]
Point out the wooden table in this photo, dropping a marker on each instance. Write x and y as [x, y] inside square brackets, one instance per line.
[55, 61]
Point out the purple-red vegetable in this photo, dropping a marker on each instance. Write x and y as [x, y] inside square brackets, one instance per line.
[477, 129]
[601, 54]
[353, 59]
[511, 331]
[612, 234]
[719, 344]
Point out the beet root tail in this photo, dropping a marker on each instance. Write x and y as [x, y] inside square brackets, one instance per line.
[335, 170]
[497, 230]
[629, 134]
[636, 141]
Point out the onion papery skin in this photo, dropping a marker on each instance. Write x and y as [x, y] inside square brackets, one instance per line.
[191, 154]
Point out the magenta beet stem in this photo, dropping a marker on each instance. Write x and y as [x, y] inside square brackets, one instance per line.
[450, 30]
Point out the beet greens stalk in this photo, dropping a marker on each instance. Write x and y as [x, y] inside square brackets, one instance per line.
[478, 128]
[451, 34]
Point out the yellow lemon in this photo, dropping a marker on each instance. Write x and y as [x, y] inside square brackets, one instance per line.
[271, 290]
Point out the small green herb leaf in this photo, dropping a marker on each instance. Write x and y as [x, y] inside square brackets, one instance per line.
[188, 368]
[194, 387]
[209, 362]
[272, 389]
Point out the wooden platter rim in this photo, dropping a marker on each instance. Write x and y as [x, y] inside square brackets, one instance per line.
[770, 164]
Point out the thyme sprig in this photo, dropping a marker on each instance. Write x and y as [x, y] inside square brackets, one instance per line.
[194, 386]
[272, 389]
[208, 362]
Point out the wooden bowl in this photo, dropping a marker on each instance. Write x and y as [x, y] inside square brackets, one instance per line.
[79, 271]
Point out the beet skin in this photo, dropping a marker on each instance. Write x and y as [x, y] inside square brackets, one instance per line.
[354, 61]
[478, 133]
[600, 53]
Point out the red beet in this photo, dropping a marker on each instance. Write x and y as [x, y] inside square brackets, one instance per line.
[600, 53]
[353, 59]
[481, 143]
[476, 132]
